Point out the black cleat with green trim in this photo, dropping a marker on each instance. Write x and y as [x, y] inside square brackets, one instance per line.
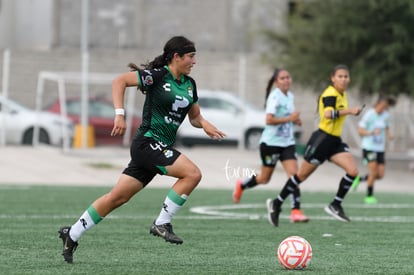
[69, 246]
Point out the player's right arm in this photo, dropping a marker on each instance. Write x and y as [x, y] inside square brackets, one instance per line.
[330, 112]
[118, 90]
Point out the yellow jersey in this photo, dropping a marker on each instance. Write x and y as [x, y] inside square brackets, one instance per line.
[332, 100]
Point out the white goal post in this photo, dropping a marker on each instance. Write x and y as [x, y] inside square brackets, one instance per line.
[63, 78]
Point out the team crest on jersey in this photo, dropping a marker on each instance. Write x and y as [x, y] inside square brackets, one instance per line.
[168, 153]
[148, 81]
[190, 91]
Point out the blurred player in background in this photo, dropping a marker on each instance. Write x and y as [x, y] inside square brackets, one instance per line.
[374, 128]
[170, 94]
[325, 144]
[277, 142]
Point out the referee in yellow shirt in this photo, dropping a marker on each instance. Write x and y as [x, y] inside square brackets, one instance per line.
[325, 144]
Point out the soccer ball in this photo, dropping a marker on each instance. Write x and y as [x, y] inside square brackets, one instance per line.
[294, 252]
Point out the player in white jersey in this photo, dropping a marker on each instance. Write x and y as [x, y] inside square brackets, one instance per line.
[277, 141]
[374, 128]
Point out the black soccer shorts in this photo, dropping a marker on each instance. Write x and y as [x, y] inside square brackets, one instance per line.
[148, 158]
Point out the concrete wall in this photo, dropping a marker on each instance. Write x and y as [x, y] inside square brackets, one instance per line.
[47, 38]
[216, 25]
[219, 25]
[46, 35]
[27, 24]
[216, 71]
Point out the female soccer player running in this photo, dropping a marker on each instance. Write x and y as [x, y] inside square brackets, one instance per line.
[170, 95]
[277, 141]
[374, 128]
[325, 144]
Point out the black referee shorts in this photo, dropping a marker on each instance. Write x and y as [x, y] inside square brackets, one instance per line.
[322, 146]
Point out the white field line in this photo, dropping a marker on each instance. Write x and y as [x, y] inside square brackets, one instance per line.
[216, 212]
[225, 211]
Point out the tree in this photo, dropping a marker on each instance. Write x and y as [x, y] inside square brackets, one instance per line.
[375, 38]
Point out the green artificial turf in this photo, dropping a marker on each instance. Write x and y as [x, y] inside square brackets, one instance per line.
[219, 239]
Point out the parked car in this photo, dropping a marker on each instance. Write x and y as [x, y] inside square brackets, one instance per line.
[101, 118]
[18, 123]
[234, 116]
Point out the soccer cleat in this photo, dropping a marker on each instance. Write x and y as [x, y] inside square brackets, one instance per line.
[238, 191]
[337, 212]
[297, 216]
[272, 212]
[165, 231]
[370, 200]
[69, 246]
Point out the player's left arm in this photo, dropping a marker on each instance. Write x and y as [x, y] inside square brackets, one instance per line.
[198, 121]
[389, 134]
[388, 131]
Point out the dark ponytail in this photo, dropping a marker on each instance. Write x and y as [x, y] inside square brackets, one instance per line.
[132, 67]
[158, 62]
[270, 82]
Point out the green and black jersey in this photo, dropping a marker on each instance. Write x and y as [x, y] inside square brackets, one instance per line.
[166, 105]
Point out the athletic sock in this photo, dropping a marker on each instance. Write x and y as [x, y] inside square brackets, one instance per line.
[249, 182]
[370, 191]
[290, 186]
[295, 199]
[88, 219]
[343, 189]
[171, 205]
